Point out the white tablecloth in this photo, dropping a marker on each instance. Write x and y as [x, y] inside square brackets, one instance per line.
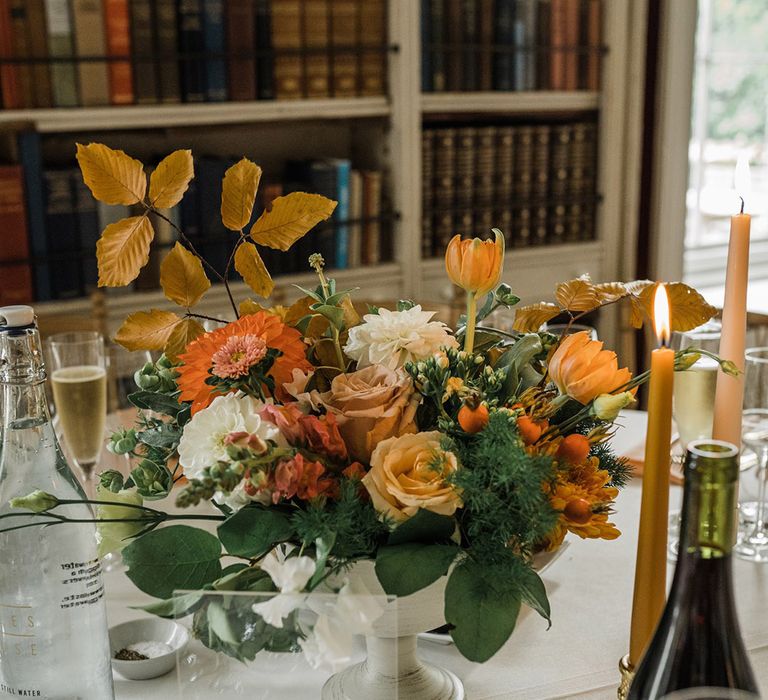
[590, 590]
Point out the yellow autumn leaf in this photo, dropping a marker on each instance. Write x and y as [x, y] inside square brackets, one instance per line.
[249, 306]
[249, 264]
[608, 292]
[112, 176]
[123, 250]
[238, 193]
[688, 309]
[290, 218]
[182, 277]
[298, 310]
[577, 295]
[183, 334]
[170, 179]
[528, 319]
[147, 330]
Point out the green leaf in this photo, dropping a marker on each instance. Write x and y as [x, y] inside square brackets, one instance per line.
[405, 304]
[406, 568]
[482, 609]
[323, 547]
[485, 309]
[425, 526]
[173, 558]
[153, 481]
[333, 313]
[160, 403]
[317, 295]
[164, 435]
[253, 531]
[244, 578]
[534, 593]
[218, 621]
[521, 353]
[175, 607]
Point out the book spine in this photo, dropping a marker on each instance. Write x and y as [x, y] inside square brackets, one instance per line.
[17, 279]
[470, 53]
[485, 149]
[373, 61]
[559, 181]
[191, 48]
[485, 41]
[118, 30]
[215, 239]
[323, 179]
[438, 34]
[61, 46]
[522, 185]
[317, 42]
[355, 214]
[90, 41]
[504, 40]
[525, 35]
[592, 23]
[425, 32]
[286, 42]
[341, 214]
[445, 187]
[87, 217]
[213, 36]
[61, 225]
[165, 48]
[543, 40]
[558, 36]
[21, 49]
[454, 20]
[344, 67]
[503, 192]
[265, 63]
[142, 52]
[372, 215]
[571, 54]
[38, 48]
[465, 181]
[10, 88]
[427, 193]
[241, 29]
[580, 224]
[30, 159]
[540, 167]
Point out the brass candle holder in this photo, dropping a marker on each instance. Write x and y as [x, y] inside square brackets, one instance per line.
[627, 671]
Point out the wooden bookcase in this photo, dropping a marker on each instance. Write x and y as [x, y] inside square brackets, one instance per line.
[391, 128]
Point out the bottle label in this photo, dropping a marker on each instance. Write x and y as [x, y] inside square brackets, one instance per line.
[83, 582]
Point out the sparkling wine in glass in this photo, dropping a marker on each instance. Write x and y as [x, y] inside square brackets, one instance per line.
[79, 382]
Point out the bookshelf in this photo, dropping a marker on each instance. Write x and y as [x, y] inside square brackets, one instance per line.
[395, 143]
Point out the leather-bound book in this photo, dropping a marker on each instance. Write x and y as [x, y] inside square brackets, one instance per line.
[485, 19]
[60, 46]
[540, 183]
[438, 37]
[427, 193]
[15, 78]
[373, 61]
[571, 43]
[445, 187]
[559, 181]
[286, 43]
[165, 51]
[372, 198]
[591, 31]
[470, 46]
[241, 37]
[526, 48]
[14, 246]
[485, 149]
[558, 32]
[581, 210]
[522, 186]
[145, 78]
[38, 49]
[191, 50]
[118, 25]
[465, 181]
[345, 66]
[214, 41]
[454, 32]
[317, 41]
[503, 179]
[90, 41]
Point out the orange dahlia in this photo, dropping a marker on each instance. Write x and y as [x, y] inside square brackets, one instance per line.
[202, 353]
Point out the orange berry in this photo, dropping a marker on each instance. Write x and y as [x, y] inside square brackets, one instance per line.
[473, 419]
[574, 449]
[530, 431]
[578, 510]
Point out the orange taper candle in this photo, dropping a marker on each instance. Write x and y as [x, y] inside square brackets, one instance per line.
[651, 564]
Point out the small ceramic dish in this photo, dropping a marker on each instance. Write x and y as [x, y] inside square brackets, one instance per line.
[147, 630]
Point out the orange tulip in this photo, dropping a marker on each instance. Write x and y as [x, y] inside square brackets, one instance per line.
[475, 265]
[582, 370]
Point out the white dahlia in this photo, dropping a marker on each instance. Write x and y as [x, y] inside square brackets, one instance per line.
[392, 338]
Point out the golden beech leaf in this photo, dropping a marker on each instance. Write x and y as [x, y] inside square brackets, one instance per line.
[249, 264]
[608, 292]
[577, 295]
[238, 193]
[528, 319]
[289, 218]
[249, 306]
[182, 277]
[183, 334]
[170, 179]
[123, 250]
[147, 330]
[688, 309]
[298, 310]
[112, 176]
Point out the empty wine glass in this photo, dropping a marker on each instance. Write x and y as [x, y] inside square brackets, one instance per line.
[753, 542]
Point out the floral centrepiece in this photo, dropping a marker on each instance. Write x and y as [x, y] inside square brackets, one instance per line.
[323, 438]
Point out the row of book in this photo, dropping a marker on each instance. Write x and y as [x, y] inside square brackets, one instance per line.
[535, 182]
[471, 45]
[68, 53]
[50, 224]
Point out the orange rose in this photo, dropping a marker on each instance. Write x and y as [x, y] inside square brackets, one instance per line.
[583, 370]
[475, 265]
[371, 405]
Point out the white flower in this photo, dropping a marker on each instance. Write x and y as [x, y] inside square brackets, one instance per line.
[392, 338]
[290, 575]
[202, 442]
[238, 498]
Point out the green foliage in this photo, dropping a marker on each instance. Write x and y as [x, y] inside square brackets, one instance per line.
[425, 526]
[153, 481]
[172, 559]
[254, 530]
[617, 467]
[403, 569]
[175, 607]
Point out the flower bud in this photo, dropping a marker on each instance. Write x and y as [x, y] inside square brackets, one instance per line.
[475, 265]
[607, 406]
[37, 501]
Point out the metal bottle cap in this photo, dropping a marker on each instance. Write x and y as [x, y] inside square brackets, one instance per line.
[16, 316]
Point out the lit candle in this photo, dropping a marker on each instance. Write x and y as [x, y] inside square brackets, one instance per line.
[729, 394]
[651, 565]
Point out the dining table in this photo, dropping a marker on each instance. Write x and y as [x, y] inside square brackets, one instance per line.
[590, 590]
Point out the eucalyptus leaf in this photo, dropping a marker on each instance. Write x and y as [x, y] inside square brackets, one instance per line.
[486, 308]
[175, 607]
[403, 569]
[164, 435]
[218, 621]
[254, 530]
[160, 403]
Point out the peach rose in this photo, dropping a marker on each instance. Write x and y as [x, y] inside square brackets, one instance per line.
[583, 370]
[371, 405]
[408, 473]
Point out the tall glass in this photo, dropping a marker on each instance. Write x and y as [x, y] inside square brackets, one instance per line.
[79, 381]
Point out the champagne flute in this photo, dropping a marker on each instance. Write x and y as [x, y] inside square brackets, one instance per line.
[753, 540]
[79, 381]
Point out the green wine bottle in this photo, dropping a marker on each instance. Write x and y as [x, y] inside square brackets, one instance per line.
[697, 642]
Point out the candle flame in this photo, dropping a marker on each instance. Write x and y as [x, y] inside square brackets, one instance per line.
[661, 314]
[742, 180]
